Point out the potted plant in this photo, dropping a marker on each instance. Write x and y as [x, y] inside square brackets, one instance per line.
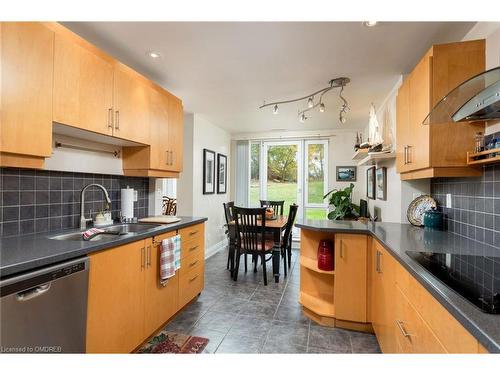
[341, 201]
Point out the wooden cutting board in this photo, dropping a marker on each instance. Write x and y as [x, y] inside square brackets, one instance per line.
[163, 219]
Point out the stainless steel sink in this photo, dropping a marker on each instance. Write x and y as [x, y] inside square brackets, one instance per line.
[77, 236]
[133, 228]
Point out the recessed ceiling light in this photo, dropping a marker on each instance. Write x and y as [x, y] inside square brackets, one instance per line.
[154, 55]
[369, 23]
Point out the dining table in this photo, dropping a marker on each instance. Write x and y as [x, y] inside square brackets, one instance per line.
[275, 227]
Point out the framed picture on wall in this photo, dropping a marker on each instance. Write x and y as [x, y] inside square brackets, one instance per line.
[221, 173]
[370, 183]
[208, 171]
[381, 182]
[346, 174]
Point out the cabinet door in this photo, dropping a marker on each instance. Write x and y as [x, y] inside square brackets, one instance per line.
[27, 62]
[83, 88]
[402, 125]
[350, 277]
[131, 99]
[175, 133]
[383, 291]
[420, 106]
[160, 143]
[115, 313]
[161, 302]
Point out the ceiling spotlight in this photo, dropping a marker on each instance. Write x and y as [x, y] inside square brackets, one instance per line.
[310, 102]
[275, 109]
[369, 23]
[154, 55]
[303, 117]
[322, 107]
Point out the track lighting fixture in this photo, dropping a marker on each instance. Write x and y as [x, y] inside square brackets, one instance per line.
[334, 83]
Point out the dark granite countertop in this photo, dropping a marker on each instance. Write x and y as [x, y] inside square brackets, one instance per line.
[25, 253]
[399, 238]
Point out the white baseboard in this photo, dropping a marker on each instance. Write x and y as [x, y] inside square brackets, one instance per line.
[214, 249]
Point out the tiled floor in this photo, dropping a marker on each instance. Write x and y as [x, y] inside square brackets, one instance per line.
[248, 317]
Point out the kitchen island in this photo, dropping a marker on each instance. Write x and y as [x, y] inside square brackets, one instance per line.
[372, 269]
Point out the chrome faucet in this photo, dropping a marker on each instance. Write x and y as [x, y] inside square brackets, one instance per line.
[83, 220]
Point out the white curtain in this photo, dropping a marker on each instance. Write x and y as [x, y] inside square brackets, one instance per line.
[242, 172]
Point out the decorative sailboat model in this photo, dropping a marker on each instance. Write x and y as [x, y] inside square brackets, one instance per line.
[375, 139]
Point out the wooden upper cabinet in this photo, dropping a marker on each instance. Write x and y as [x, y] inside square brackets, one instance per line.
[402, 125]
[350, 288]
[27, 52]
[83, 87]
[159, 131]
[176, 133]
[131, 106]
[436, 150]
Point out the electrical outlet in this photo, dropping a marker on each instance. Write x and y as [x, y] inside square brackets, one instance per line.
[448, 200]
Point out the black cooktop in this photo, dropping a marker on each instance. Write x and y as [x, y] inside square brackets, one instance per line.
[476, 278]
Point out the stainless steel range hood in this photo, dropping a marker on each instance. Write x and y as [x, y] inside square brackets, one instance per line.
[476, 99]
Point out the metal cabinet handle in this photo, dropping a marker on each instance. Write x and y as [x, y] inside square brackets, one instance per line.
[193, 233]
[166, 157]
[149, 256]
[193, 279]
[33, 293]
[399, 323]
[110, 118]
[143, 257]
[408, 154]
[379, 268]
[193, 248]
[117, 120]
[405, 155]
[193, 263]
[341, 249]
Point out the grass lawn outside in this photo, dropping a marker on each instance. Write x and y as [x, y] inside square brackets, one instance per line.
[287, 191]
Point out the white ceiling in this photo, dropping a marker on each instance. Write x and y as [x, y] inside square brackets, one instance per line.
[224, 71]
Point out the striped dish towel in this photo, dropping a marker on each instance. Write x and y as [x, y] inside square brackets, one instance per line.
[170, 255]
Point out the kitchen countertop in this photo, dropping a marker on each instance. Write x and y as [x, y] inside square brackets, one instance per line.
[25, 253]
[399, 238]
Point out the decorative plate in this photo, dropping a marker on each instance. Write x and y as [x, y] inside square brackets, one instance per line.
[417, 208]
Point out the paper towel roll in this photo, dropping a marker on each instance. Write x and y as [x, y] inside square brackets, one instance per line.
[127, 203]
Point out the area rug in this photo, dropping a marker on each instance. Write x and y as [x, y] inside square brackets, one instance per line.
[172, 342]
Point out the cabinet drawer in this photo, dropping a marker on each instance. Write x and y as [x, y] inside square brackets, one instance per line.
[193, 246]
[192, 261]
[192, 232]
[412, 333]
[191, 283]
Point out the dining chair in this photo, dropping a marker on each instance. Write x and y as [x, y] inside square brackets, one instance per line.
[251, 237]
[276, 205]
[286, 241]
[228, 212]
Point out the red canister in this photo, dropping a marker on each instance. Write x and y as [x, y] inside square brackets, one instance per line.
[325, 255]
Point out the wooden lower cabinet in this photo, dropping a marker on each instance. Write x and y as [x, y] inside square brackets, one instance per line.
[350, 277]
[115, 312]
[126, 302]
[405, 317]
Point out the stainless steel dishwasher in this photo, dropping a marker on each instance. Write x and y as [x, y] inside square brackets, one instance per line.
[45, 311]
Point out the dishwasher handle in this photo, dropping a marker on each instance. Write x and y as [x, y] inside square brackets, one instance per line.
[33, 292]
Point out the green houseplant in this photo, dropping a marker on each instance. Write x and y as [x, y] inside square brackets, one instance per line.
[341, 200]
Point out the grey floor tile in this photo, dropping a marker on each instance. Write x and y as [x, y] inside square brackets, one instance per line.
[288, 332]
[273, 347]
[251, 327]
[217, 321]
[365, 344]
[313, 350]
[259, 309]
[240, 344]
[286, 313]
[335, 339]
[183, 322]
[228, 304]
[214, 337]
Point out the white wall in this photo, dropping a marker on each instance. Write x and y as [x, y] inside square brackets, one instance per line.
[200, 134]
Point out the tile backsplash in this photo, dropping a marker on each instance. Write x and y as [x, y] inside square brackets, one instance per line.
[475, 208]
[35, 201]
